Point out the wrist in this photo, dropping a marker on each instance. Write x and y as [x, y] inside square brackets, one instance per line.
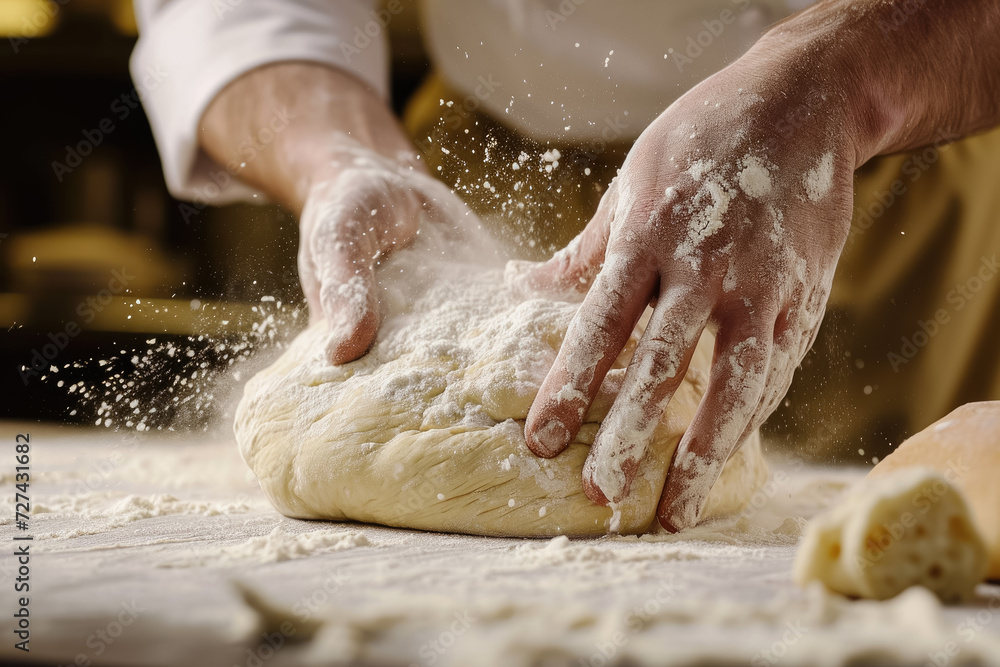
[312, 155]
[283, 125]
[903, 71]
[819, 71]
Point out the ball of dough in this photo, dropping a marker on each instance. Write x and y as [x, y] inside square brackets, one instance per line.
[427, 430]
[965, 448]
[906, 529]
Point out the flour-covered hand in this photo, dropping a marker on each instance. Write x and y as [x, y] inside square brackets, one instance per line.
[361, 208]
[719, 220]
[347, 167]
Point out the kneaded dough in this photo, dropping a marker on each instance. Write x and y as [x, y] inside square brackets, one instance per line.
[965, 448]
[903, 529]
[427, 430]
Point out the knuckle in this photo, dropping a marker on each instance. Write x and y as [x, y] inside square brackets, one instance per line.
[598, 321]
[660, 358]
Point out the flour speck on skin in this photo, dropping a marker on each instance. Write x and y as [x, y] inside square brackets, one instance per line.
[699, 168]
[705, 211]
[819, 179]
[777, 228]
[755, 178]
[731, 279]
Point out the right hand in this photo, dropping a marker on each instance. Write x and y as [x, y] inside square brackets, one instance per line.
[735, 231]
[358, 210]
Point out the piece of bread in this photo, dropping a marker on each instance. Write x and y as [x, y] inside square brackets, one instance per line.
[894, 531]
[964, 448]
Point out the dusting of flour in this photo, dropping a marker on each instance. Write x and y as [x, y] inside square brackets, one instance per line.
[819, 179]
[275, 547]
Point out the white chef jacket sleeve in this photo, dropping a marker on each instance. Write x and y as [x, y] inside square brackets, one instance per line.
[188, 50]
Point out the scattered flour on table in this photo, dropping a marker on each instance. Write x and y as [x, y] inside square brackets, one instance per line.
[562, 551]
[132, 507]
[526, 602]
[275, 547]
[99, 512]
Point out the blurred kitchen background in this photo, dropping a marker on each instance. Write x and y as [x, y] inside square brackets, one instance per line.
[82, 197]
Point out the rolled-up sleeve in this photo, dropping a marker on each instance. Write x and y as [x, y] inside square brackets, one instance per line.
[188, 50]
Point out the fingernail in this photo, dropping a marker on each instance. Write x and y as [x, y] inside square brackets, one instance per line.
[350, 338]
[682, 512]
[552, 437]
[590, 487]
[608, 477]
[668, 525]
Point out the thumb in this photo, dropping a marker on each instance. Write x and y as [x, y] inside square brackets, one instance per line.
[351, 310]
[574, 268]
[348, 293]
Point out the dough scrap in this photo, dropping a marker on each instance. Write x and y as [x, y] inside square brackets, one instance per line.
[965, 448]
[908, 528]
[427, 430]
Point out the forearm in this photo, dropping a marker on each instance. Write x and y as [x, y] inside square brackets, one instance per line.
[323, 107]
[909, 72]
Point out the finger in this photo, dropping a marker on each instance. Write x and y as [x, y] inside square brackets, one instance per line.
[595, 337]
[790, 345]
[348, 294]
[575, 267]
[309, 281]
[656, 370]
[737, 383]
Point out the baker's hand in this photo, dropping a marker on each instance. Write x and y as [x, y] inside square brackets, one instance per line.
[345, 164]
[362, 207]
[727, 214]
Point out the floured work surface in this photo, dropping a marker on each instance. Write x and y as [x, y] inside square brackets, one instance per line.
[138, 545]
